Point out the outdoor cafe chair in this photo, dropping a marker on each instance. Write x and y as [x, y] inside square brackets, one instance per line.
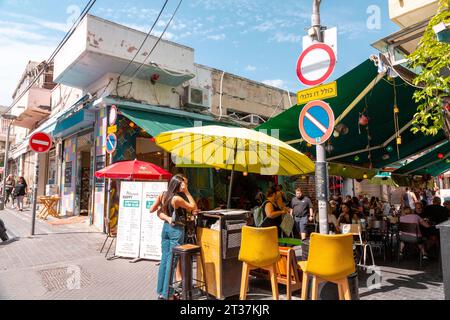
[377, 236]
[330, 259]
[259, 250]
[409, 234]
[355, 231]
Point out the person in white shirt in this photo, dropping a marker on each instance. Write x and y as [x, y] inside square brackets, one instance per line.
[408, 199]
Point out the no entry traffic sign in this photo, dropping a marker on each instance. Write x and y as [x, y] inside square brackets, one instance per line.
[112, 115]
[316, 122]
[316, 64]
[40, 142]
[111, 143]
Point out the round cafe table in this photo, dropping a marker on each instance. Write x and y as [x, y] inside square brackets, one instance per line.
[49, 207]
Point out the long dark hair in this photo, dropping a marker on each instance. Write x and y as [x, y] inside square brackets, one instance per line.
[24, 182]
[172, 190]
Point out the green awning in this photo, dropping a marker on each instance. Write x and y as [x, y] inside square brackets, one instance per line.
[157, 120]
[378, 104]
[154, 123]
[430, 163]
[351, 172]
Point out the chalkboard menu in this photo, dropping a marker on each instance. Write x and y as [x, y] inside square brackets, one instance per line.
[68, 175]
[99, 165]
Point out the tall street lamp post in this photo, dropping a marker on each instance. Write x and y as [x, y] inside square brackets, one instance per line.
[5, 171]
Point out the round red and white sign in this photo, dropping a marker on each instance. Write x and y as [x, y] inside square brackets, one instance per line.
[316, 64]
[113, 115]
[40, 142]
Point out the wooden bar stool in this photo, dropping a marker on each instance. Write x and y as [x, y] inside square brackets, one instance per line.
[186, 253]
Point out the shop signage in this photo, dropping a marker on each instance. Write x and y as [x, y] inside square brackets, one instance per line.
[40, 142]
[316, 64]
[139, 231]
[151, 225]
[112, 115]
[111, 143]
[129, 227]
[316, 122]
[323, 92]
[112, 129]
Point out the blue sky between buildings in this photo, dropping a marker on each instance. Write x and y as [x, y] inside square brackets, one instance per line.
[257, 39]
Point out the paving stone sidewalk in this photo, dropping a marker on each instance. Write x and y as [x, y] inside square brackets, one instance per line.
[44, 267]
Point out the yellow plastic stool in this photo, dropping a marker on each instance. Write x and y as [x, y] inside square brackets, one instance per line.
[330, 259]
[259, 250]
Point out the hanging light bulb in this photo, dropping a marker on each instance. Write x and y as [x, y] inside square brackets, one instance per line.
[132, 125]
[245, 174]
[396, 109]
[356, 158]
[389, 149]
[440, 155]
[365, 176]
[399, 140]
[217, 169]
[344, 169]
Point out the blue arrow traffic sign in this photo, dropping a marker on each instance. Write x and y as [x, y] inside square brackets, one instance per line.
[316, 122]
[111, 143]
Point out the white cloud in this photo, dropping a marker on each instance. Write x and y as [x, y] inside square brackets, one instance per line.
[64, 27]
[15, 55]
[278, 83]
[217, 37]
[250, 68]
[289, 37]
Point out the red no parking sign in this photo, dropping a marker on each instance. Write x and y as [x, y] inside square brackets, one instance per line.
[40, 142]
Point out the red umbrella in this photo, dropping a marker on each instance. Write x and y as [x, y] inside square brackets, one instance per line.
[134, 170]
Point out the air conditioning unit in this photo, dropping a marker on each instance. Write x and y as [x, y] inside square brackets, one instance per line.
[198, 97]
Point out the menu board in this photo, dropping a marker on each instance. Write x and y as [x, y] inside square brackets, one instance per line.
[99, 165]
[129, 226]
[151, 225]
[68, 175]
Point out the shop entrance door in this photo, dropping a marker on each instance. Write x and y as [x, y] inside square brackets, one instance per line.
[84, 174]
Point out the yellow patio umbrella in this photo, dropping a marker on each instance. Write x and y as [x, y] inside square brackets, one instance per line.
[235, 149]
[383, 181]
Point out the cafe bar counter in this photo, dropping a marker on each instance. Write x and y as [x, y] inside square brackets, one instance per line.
[219, 236]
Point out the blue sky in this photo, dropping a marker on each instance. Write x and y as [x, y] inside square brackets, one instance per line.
[257, 39]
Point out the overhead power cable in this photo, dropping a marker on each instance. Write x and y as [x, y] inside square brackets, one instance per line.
[145, 40]
[157, 42]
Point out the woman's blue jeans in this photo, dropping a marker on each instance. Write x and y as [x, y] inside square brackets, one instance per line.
[171, 237]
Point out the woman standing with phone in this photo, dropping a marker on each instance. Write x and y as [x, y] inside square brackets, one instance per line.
[176, 203]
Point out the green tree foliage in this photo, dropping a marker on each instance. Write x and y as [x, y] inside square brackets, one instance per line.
[433, 59]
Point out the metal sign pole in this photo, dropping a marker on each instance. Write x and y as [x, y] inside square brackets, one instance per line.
[35, 190]
[321, 164]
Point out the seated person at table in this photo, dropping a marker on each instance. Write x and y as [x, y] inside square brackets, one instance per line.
[436, 213]
[333, 225]
[273, 215]
[347, 215]
[447, 206]
[302, 210]
[408, 216]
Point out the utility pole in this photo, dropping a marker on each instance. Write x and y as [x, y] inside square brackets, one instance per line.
[321, 164]
[35, 191]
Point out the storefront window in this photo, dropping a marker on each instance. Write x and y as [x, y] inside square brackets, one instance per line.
[148, 151]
